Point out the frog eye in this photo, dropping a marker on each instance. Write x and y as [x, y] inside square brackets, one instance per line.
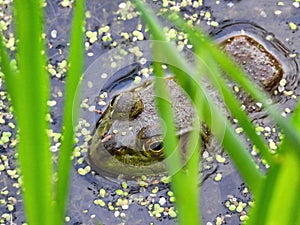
[150, 141]
[156, 148]
[153, 147]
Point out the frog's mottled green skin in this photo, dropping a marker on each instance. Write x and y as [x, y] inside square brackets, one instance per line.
[128, 137]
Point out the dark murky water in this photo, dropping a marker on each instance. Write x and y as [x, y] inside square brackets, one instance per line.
[149, 201]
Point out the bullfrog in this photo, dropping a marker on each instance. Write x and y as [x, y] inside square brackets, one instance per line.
[128, 139]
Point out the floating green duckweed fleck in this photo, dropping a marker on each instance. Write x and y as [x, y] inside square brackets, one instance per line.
[12, 173]
[2, 167]
[293, 26]
[143, 183]
[110, 206]
[137, 80]
[138, 34]
[218, 177]
[5, 137]
[240, 207]
[214, 23]
[220, 158]
[232, 207]
[99, 202]
[243, 217]
[51, 103]
[84, 171]
[125, 35]
[219, 220]
[155, 190]
[124, 185]
[66, 3]
[10, 207]
[102, 193]
[67, 219]
[172, 212]
[172, 199]
[166, 180]
[92, 36]
[272, 145]
[119, 192]
[170, 193]
[239, 130]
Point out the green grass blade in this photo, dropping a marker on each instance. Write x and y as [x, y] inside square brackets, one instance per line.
[237, 75]
[76, 61]
[188, 207]
[296, 119]
[237, 151]
[273, 206]
[234, 105]
[278, 199]
[10, 75]
[231, 142]
[198, 40]
[31, 109]
[224, 132]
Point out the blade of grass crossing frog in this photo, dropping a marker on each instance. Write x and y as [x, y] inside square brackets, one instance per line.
[34, 155]
[188, 207]
[285, 124]
[237, 75]
[235, 108]
[246, 166]
[209, 64]
[224, 133]
[165, 111]
[76, 61]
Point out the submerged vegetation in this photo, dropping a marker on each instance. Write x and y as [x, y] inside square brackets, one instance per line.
[45, 186]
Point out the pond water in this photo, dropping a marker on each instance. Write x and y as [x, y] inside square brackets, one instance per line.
[96, 199]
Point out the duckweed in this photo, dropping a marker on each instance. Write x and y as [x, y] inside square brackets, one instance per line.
[239, 130]
[84, 171]
[99, 202]
[172, 213]
[243, 218]
[102, 193]
[155, 190]
[220, 158]
[119, 192]
[218, 177]
[293, 26]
